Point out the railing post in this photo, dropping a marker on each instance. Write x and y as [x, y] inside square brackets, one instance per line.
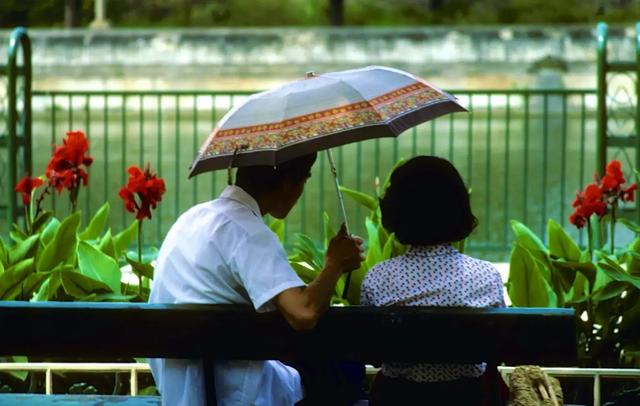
[19, 41]
[601, 88]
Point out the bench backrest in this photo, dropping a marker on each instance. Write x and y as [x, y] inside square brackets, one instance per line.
[109, 330]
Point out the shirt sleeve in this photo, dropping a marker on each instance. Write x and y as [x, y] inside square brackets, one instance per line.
[366, 290]
[262, 268]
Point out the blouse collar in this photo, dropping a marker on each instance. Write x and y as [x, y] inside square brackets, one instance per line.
[432, 250]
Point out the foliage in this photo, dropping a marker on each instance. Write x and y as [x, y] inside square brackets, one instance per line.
[602, 285]
[206, 13]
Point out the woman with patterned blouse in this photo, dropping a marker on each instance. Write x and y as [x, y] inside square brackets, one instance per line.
[427, 207]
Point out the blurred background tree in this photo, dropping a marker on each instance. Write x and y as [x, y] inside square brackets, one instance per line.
[216, 13]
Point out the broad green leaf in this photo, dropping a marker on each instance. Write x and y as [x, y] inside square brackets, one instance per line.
[17, 234]
[565, 274]
[22, 375]
[277, 226]
[387, 250]
[48, 289]
[633, 258]
[98, 265]
[307, 250]
[106, 297]
[63, 246]
[612, 290]
[4, 252]
[616, 272]
[12, 281]
[527, 239]
[374, 251]
[79, 285]
[305, 273]
[579, 292]
[633, 226]
[364, 199]
[387, 180]
[329, 232]
[355, 284]
[527, 287]
[96, 225]
[108, 246]
[23, 249]
[125, 238]
[141, 268]
[49, 231]
[42, 219]
[561, 245]
[567, 271]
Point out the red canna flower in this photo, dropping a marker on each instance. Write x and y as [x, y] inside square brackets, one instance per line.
[627, 194]
[587, 203]
[64, 170]
[147, 186]
[613, 178]
[26, 186]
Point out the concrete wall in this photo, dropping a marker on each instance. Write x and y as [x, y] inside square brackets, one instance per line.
[469, 57]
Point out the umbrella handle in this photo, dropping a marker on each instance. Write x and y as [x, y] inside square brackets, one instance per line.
[343, 212]
[334, 172]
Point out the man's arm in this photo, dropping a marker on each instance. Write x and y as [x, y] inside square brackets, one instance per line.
[302, 306]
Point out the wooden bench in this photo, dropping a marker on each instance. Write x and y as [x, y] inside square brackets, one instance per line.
[417, 334]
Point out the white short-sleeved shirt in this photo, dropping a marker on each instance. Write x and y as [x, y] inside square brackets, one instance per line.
[222, 252]
[436, 275]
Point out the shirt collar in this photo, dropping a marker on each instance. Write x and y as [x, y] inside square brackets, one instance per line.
[432, 250]
[239, 195]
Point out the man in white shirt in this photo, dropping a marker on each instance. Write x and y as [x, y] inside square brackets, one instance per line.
[222, 252]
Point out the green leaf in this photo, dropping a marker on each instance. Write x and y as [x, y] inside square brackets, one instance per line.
[304, 272]
[106, 297]
[633, 258]
[17, 234]
[12, 281]
[98, 265]
[141, 268]
[79, 285]
[527, 239]
[561, 245]
[277, 226]
[63, 247]
[567, 271]
[50, 230]
[527, 287]
[48, 289]
[96, 225]
[23, 249]
[125, 238]
[108, 246]
[387, 180]
[616, 272]
[329, 232]
[579, 291]
[611, 290]
[635, 227]
[387, 250]
[4, 253]
[21, 375]
[42, 219]
[374, 252]
[364, 199]
[308, 252]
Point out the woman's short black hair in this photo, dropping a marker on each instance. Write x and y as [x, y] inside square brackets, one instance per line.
[427, 203]
[263, 179]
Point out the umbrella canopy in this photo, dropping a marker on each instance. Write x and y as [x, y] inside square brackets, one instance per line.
[320, 112]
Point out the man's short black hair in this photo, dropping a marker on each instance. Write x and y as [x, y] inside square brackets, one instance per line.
[427, 203]
[266, 178]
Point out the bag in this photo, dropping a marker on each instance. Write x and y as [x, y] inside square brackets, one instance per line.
[531, 386]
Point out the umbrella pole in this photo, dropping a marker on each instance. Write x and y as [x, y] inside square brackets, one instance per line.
[343, 212]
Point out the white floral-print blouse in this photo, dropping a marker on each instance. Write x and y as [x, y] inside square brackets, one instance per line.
[436, 275]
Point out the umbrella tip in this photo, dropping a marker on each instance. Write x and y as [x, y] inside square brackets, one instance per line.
[309, 75]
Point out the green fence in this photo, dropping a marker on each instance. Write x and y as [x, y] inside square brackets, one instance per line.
[524, 153]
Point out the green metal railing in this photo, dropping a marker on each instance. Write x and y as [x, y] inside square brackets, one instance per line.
[15, 140]
[523, 152]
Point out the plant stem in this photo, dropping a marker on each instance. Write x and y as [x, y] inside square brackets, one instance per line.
[612, 225]
[27, 219]
[140, 255]
[589, 239]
